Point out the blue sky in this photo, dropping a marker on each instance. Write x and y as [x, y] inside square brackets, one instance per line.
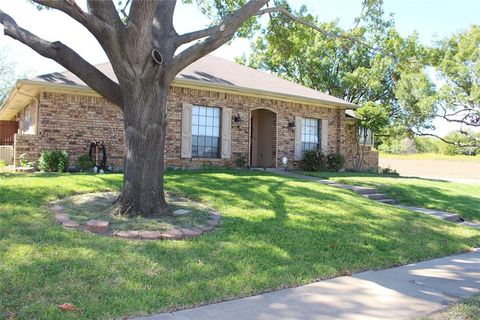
[432, 19]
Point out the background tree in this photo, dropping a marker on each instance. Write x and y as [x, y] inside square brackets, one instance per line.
[371, 120]
[448, 89]
[359, 65]
[8, 75]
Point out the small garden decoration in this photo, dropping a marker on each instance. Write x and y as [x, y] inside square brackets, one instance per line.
[91, 213]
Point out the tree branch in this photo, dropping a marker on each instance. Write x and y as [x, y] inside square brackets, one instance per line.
[142, 12]
[124, 9]
[163, 22]
[66, 57]
[196, 35]
[473, 145]
[92, 23]
[106, 11]
[218, 36]
[290, 15]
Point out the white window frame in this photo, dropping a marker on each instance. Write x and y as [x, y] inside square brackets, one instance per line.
[206, 127]
[307, 137]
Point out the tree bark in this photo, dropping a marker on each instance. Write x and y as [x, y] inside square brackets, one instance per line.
[144, 125]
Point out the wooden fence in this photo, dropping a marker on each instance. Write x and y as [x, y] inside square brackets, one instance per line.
[6, 154]
[7, 132]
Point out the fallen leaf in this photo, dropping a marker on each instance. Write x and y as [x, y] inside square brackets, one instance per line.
[66, 307]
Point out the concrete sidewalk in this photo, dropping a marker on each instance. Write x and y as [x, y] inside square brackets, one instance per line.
[406, 292]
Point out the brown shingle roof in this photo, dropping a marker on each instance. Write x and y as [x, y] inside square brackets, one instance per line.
[217, 71]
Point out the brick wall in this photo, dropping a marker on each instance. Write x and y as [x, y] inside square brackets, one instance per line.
[25, 144]
[243, 105]
[71, 121]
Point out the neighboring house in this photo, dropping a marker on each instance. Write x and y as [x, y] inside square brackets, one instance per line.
[217, 111]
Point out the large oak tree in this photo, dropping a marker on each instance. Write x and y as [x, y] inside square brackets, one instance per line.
[142, 46]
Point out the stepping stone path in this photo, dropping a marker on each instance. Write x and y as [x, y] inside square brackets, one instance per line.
[374, 194]
[149, 235]
[190, 233]
[70, 224]
[173, 234]
[127, 234]
[101, 227]
[62, 217]
[180, 212]
[453, 217]
[97, 226]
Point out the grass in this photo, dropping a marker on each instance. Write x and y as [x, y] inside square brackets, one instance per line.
[430, 156]
[460, 198]
[466, 309]
[277, 232]
[84, 207]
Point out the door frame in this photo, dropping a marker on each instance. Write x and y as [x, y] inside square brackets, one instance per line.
[250, 135]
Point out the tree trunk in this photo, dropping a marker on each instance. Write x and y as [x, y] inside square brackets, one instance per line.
[145, 125]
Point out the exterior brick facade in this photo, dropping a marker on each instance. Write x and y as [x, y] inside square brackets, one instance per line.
[70, 121]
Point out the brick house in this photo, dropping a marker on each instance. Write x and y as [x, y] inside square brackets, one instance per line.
[217, 111]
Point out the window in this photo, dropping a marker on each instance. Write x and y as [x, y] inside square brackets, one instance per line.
[310, 134]
[365, 139]
[26, 125]
[205, 132]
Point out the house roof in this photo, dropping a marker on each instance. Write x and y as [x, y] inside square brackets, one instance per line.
[212, 73]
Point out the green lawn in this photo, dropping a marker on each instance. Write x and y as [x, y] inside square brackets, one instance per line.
[277, 232]
[460, 198]
[466, 309]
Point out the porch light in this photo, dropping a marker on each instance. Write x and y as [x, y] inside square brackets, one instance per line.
[291, 125]
[238, 119]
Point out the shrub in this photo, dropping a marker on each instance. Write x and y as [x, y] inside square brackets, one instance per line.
[85, 163]
[53, 161]
[426, 144]
[2, 165]
[241, 161]
[23, 160]
[335, 162]
[313, 161]
[388, 171]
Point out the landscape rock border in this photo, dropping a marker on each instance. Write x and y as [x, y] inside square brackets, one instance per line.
[101, 227]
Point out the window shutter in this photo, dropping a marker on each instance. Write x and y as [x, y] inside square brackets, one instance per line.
[298, 139]
[324, 137]
[226, 133]
[186, 142]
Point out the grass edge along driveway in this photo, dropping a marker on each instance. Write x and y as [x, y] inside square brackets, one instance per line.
[277, 232]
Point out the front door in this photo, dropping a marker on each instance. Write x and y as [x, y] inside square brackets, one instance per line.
[263, 146]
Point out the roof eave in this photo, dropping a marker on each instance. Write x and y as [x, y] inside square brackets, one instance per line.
[83, 89]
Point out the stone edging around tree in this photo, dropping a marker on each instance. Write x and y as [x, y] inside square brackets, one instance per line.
[101, 227]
